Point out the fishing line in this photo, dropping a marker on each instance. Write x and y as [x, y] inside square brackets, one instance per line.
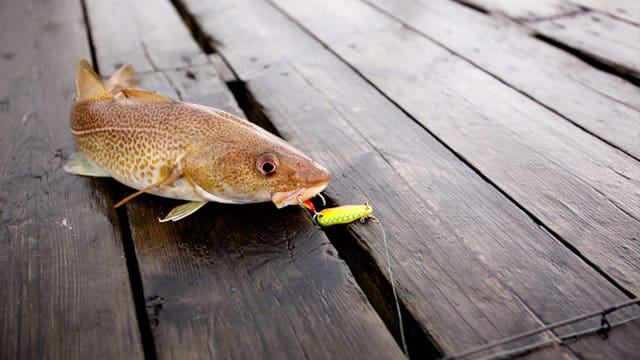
[560, 340]
[604, 328]
[393, 289]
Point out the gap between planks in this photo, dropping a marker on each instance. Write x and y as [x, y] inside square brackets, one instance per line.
[128, 246]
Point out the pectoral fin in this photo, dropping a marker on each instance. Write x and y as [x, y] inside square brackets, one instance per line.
[166, 181]
[79, 164]
[182, 211]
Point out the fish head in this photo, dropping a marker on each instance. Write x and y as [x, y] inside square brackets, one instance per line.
[255, 171]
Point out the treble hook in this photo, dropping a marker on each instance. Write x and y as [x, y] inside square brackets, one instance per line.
[324, 202]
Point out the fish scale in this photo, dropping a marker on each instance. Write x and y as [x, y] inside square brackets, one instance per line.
[139, 155]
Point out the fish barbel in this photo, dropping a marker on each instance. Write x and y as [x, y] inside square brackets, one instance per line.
[183, 151]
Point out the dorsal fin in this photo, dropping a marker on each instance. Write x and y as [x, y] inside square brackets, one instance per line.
[146, 96]
[88, 84]
[123, 78]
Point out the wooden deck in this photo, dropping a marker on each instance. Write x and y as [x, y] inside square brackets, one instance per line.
[498, 142]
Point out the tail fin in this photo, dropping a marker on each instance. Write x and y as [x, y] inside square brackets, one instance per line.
[88, 84]
[123, 78]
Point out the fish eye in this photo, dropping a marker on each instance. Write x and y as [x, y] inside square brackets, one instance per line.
[267, 164]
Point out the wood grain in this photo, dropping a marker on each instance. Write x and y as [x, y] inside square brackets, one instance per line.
[609, 41]
[65, 289]
[463, 254]
[601, 103]
[146, 33]
[581, 188]
[245, 282]
[525, 10]
[628, 10]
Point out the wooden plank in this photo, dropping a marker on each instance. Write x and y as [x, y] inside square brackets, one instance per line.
[581, 188]
[525, 10]
[146, 33]
[462, 253]
[598, 36]
[599, 102]
[531, 11]
[65, 289]
[246, 281]
[628, 10]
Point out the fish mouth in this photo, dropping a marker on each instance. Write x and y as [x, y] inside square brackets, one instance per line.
[286, 198]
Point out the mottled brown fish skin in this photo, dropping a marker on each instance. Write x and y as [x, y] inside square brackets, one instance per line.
[141, 143]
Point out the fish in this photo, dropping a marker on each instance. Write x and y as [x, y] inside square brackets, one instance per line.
[179, 150]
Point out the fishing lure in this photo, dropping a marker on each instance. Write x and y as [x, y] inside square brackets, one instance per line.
[344, 214]
[340, 215]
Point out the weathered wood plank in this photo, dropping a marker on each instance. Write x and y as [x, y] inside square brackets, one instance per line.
[628, 10]
[598, 36]
[599, 102]
[149, 33]
[581, 188]
[462, 253]
[244, 282]
[525, 10]
[65, 292]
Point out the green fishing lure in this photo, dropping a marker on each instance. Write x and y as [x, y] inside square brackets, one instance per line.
[340, 215]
